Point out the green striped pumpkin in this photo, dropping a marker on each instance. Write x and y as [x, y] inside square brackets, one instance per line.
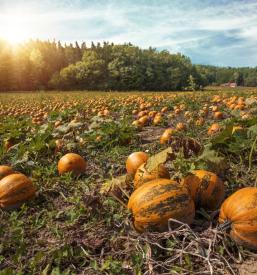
[154, 203]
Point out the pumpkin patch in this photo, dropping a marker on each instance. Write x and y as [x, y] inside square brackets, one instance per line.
[128, 183]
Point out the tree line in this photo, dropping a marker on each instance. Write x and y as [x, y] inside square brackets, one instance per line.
[39, 65]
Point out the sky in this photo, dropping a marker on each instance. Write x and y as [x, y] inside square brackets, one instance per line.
[213, 32]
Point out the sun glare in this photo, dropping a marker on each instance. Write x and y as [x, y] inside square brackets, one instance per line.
[15, 27]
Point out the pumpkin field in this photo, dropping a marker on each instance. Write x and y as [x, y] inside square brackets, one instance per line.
[128, 183]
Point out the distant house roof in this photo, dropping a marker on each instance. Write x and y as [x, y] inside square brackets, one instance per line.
[229, 84]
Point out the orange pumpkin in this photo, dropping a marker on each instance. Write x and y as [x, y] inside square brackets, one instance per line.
[72, 163]
[154, 203]
[165, 137]
[15, 189]
[134, 160]
[137, 124]
[206, 189]
[214, 129]
[239, 213]
[143, 120]
[143, 175]
[181, 126]
[218, 115]
[5, 171]
[157, 120]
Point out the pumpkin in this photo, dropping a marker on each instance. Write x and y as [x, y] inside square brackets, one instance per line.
[134, 160]
[72, 162]
[239, 213]
[214, 129]
[206, 189]
[142, 175]
[181, 126]
[157, 120]
[137, 124]
[165, 137]
[5, 171]
[154, 203]
[15, 189]
[218, 115]
[143, 120]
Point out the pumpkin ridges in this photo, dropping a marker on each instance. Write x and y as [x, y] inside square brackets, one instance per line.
[20, 180]
[206, 189]
[15, 189]
[234, 204]
[152, 204]
[165, 203]
[18, 199]
[172, 202]
[163, 189]
[5, 170]
[134, 160]
[249, 240]
[241, 210]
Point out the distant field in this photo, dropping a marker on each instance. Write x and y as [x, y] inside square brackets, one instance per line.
[79, 224]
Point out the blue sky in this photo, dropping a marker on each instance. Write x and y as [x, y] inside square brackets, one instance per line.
[218, 32]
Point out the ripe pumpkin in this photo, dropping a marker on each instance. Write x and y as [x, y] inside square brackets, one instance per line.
[239, 212]
[134, 160]
[165, 137]
[143, 120]
[72, 163]
[181, 126]
[154, 203]
[5, 171]
[214, 129]
[206, 189]
[142, 175]
[15, 189]
[157, 120]
[218, 115]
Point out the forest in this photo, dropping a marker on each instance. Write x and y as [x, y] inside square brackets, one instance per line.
[51, 65]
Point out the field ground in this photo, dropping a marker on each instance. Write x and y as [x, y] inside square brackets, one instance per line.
[75, 226]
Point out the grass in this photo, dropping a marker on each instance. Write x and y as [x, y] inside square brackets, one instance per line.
[71, 228]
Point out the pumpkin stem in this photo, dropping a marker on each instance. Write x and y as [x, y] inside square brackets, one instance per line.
[225, 226]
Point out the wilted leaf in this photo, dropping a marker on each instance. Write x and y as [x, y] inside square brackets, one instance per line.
[154, 161]
[114, 183]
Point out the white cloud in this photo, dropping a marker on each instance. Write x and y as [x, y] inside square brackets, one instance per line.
[192, 27]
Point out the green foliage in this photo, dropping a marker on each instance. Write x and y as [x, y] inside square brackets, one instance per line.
[111, 133]
[38, 65]
[219, 75]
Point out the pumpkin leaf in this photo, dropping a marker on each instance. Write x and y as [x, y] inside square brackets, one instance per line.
[112, 184]
[154, 161]
[224, 136]
[212, 159]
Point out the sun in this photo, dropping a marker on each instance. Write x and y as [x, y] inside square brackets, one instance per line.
[16, 27]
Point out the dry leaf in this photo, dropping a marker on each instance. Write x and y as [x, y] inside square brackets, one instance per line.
[114, 183]
[154, 161]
